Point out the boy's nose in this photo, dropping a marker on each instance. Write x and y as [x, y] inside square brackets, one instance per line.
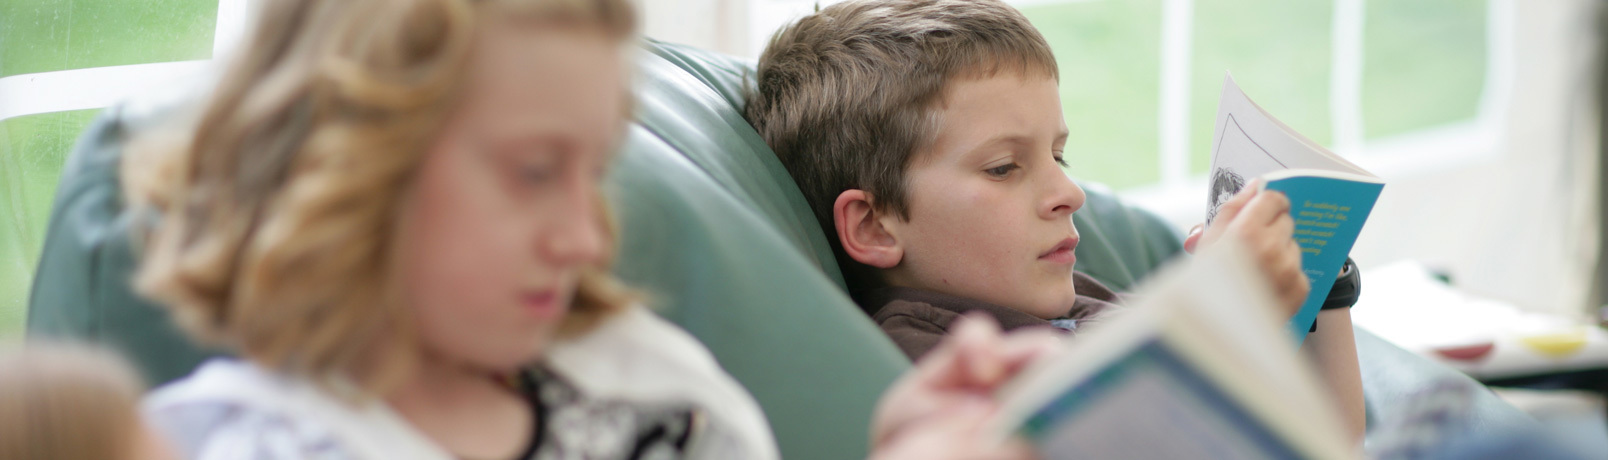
[1063, 196]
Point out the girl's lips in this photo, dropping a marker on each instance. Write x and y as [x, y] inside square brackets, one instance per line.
[1062, 253]
[543, 303]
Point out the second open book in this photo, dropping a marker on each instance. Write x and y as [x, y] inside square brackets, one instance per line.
[1199, 367]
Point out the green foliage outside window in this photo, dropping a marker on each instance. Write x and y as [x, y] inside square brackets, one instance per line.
[54, 35]
[1423, 66]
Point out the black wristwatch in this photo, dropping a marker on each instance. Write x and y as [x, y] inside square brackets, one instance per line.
[1347, 287]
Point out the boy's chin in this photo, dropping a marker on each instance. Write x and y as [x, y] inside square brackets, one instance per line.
[1049, 311]
[1052, 308]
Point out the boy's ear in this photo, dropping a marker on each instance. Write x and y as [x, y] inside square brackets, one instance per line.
[860, 230]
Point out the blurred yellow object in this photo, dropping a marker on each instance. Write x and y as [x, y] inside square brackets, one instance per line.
[1557, 344]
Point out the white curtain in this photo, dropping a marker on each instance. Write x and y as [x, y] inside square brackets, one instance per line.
[1520, 225]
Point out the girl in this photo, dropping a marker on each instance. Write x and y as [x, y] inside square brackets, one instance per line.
[389, 209]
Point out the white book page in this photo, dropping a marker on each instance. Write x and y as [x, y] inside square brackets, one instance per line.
[1249, 143]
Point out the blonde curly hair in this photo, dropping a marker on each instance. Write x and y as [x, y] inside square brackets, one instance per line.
[274, 207]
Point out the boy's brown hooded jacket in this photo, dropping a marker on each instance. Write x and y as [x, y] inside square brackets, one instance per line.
[917, 319]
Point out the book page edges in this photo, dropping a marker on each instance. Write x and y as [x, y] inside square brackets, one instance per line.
[1230, 85]
[1323, 173]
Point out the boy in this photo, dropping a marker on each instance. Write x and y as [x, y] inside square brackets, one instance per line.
[926, 136]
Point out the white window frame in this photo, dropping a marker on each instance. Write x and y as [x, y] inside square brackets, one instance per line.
[100, 87]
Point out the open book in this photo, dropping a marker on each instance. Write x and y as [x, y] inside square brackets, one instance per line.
[1330, 198]
[1199, 368]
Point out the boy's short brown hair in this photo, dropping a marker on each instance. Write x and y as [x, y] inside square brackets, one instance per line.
[845, 96]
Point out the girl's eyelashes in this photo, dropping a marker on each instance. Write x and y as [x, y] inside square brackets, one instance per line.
[525, 170]
[1060, 158]
[532, 167]
[533, 174]
[529, 165]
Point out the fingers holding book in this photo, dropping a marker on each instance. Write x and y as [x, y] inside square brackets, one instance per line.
[1261, 220]
[944, 401]
[954, 433]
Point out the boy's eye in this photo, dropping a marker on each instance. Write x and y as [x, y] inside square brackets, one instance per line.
[1001, 170]
[1060, 158]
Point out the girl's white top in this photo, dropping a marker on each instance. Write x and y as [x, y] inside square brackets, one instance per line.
[232, 409]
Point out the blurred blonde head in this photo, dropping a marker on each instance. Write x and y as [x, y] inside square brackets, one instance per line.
[278, 204]
[67, 403]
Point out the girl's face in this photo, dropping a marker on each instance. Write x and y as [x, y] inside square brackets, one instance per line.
[506, 212]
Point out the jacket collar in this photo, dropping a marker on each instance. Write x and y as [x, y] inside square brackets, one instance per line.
[1008, 318]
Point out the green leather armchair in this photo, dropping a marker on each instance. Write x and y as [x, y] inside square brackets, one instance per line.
[711, 226]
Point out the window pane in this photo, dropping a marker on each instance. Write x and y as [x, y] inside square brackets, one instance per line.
[1108, 55]
[32, 149]
[50, 35]
[1423, 64]
[1278, 51]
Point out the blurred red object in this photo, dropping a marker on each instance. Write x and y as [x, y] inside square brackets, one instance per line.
[1472, 352]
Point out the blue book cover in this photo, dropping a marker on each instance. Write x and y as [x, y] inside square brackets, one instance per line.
[1329, 212]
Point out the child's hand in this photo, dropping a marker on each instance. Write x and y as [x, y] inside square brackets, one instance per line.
[1261, 220]
[952, 434]
[938, 410]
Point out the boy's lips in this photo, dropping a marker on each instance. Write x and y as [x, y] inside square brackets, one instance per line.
[1062, 253]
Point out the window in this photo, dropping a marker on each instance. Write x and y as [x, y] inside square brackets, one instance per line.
[1109, 53]
[1373, 79]
[60, 62]
[1141, 77]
